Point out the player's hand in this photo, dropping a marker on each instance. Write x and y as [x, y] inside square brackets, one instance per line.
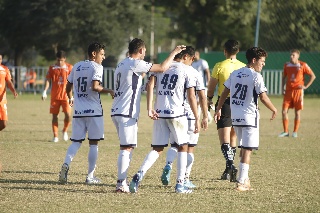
[153, 114]
[179, 48]
[44, 95]
[204, 124]
[71, 101]
[196, 126]
[217, 115]
[274, 114]
[111, 92]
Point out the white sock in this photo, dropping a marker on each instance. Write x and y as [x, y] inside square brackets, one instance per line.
[149, 161]
[92, 159]
[181, 166]
[71, 152]
[190, 160]
[123, 164]
[244, 172]
[171, 155]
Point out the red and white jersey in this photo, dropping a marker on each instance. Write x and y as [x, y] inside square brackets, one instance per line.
[245, 85]
[171, 87]
[127, 91]
[4, 77]
[87, 102]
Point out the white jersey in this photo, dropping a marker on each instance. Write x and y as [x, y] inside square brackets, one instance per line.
[201, 65]
[197, 83]
[127, 91]
[87, 102]
[170, 91]
[245, 86]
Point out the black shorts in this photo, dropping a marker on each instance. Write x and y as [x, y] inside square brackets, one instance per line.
[225, 118]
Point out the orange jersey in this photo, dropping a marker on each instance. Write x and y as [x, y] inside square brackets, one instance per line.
[58, 76]
[31, 76]
[295, 74]
[4, 77]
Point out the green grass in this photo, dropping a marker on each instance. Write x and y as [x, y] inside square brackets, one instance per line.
[284, 172]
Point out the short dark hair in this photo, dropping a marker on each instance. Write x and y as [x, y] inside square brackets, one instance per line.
[61, 54]
[232, 46]
[188, 51]
[295, 51]
[255, 52]
[135, 44]
[95, 47]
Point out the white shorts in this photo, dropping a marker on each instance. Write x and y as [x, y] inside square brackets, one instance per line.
[248, 137]
[163, 128]
[192, 138]
[93, 125]
[127, 129]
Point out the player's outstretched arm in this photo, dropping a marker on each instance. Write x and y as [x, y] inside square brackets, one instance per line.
[266, 101]
[166, 63]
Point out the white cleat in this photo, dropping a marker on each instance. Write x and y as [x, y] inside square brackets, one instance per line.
[65, 136]
[55, 139]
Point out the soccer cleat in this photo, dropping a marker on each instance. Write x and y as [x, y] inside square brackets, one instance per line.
[133, 187]
[122, 188]
[294, 134]
[63, 175]
[55, 139]
[165, 177]
[226, 174]
[92, 181]
[65, 136]
[189, 184]
[283, 134]
[233, 174]
[242, 187]
[180, 188]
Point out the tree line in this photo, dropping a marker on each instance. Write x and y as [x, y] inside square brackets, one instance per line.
[48, 25]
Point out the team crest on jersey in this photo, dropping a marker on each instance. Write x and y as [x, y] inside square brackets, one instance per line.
[242, 75]
[78, 68]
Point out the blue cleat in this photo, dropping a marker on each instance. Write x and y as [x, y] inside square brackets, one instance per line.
[133, 187]
[182, 189]
[165, 177]
[283, 134]
[189, 184]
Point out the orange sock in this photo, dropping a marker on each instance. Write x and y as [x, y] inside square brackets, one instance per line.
[296, 125]
[285, 123]
[55, 129]
[66, 126]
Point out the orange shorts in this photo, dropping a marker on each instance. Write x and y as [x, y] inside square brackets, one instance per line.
[3, 112]
[55, 106]
[293, 99]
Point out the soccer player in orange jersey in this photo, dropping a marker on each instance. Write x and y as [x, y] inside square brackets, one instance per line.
[58, 74]
[293, 79]
[5, 80]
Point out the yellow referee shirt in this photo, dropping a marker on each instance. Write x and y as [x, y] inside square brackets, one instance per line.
[222, 70]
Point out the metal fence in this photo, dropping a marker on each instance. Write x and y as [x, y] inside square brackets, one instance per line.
[272, 79]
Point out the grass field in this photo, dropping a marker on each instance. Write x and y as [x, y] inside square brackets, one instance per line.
[284, 172]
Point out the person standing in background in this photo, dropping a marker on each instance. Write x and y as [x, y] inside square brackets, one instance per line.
[293, 81]
[58, 74]
[227, 135]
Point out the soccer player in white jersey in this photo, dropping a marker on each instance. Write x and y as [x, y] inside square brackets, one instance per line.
[245, 85]
[85, 80]
[126, 105]
[169, 117]
[192, 138]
